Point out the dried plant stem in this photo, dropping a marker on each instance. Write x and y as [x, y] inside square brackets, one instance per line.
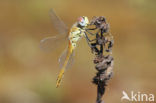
[102, 48]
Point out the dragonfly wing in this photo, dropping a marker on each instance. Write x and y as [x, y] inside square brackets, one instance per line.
[51, 43]
[58, 23]
[63, 57]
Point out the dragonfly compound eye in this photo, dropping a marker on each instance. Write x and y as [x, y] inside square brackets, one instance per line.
[80, 19]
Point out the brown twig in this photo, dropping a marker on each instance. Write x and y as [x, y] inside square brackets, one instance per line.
[102, 48]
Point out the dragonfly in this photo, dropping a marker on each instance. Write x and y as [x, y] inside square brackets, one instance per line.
[71, 36]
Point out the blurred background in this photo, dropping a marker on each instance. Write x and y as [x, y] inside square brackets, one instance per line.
[28, 75]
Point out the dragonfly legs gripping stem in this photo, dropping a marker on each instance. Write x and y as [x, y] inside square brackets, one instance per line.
[88, 40]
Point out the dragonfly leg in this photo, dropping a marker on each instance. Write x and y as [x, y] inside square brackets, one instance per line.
[90, 33]
[88, 40]
[92, 28]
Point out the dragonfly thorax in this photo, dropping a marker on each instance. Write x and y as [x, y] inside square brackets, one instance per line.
[78, 29]
[75, 34]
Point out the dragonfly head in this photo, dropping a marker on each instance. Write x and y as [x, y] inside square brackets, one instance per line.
[83, 21]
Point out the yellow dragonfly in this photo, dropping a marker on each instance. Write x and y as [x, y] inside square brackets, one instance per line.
[71, 35]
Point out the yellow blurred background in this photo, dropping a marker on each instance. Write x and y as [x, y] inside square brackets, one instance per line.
[28, 75]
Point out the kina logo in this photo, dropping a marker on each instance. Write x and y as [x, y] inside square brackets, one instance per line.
[137, 96]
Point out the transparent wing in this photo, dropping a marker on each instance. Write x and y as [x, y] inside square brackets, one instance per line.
[51, 43]
[63, 57]
[58, 23]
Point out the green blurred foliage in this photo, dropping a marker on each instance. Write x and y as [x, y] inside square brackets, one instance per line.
[28, 75]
